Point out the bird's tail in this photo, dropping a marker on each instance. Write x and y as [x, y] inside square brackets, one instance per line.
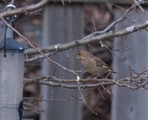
[112, 71]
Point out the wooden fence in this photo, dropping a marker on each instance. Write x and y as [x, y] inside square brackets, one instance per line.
[62, 23]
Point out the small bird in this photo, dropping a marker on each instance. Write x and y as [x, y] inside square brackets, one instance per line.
[93, 65]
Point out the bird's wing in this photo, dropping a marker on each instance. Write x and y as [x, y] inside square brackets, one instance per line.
[100, 63]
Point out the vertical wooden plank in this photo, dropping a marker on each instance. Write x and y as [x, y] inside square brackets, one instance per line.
[128, 104]
[61, 24]
[75, 21]
[45, 65]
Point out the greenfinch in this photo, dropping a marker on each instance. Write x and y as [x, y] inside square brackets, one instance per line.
[93, 65]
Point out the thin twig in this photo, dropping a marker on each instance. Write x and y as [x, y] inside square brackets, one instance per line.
[12, 1]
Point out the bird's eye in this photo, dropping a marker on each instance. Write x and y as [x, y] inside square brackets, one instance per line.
[79, 53]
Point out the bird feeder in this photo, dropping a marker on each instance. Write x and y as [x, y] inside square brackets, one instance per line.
[11, 78]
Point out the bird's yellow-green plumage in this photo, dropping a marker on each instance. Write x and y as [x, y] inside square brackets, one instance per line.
[92, 64]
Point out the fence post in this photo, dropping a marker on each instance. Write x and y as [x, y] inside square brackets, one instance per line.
[61, 24]
[128, 104]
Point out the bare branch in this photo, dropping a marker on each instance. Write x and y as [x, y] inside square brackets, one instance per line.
[134, 82]
[24, 9]
[38, 57]
[138, 4]
[85, 41]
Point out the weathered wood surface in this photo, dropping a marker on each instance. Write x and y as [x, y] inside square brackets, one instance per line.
[128, 104]
[61, 24]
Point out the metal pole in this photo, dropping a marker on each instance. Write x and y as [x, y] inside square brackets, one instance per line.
[11, 74]
[11, 79]
[11, 85]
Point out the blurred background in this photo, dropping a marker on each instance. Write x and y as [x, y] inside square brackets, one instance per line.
[60, 23]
